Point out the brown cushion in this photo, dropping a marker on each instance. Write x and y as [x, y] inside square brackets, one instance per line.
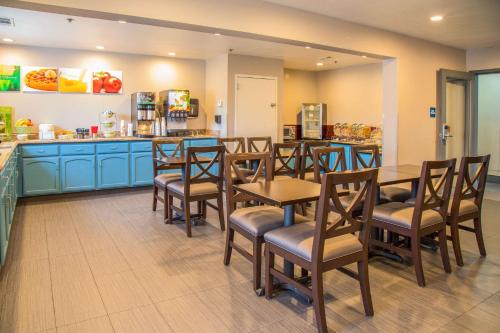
[394, 193]
[196, 189]
[298, 240]
[467, 206]
[401, 214]
[258, 220]
[166, 178]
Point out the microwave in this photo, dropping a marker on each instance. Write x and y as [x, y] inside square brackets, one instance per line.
[290, 132]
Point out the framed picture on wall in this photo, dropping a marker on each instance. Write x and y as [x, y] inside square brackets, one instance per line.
[107, 82]
[10, 78]
[75, 80]
[39, 79]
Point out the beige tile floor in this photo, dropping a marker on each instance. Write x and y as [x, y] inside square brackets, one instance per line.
[104, 262]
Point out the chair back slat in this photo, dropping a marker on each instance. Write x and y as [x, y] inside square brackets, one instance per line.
[359, 162]
[232, 166]
[286, 159]
[234, 145]
[470, 187]
[264, 141]
[343, 221]
[159, 152]
[307, 157]
[433, 194]
[198, 171]
[322, 158]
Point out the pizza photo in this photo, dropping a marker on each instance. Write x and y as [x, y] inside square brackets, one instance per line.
[39, 79]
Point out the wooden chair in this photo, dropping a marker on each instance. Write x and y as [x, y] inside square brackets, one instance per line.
[426, 217]
[467, 202]
[285, 160]
[253, 144]
[387, 193]
[327, 244]
[250, 222]
[307, 159]
[161, 180]
[322, 158]
[232, 145]
[201, 183]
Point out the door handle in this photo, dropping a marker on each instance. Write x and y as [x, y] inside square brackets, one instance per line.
[273, 105]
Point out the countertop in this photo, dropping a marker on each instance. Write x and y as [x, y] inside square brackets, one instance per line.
[7, 147]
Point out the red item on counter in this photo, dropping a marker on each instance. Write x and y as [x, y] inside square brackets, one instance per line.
[93, 129]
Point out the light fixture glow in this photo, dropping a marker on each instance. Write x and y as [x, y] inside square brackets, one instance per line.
[319, 64]
[8, 40]
[436, 18]
[363, 56]
[122, 21]
[99, 47]
[307, 47]
[216, 34]
[172, 54]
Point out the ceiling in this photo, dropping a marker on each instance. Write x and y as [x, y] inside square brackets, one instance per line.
[466, 23]
[53, 30]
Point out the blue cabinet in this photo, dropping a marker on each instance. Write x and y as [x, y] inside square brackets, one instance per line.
[113, 170]
[77, 173]
[141, 169]
[347, 152]
[40, 175]
[4, 225]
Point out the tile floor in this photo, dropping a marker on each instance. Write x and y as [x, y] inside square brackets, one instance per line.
[104, 262]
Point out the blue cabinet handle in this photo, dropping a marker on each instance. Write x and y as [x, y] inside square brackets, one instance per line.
[41, 150]
[113, 147]
[79, 149]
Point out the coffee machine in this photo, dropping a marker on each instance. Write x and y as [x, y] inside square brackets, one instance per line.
[143, 114]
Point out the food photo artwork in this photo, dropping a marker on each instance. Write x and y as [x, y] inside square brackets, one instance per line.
[39, 79]
[10, 78]
[74, 80]
[107, 82]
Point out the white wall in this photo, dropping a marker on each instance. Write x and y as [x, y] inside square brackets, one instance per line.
[216, 85]
[298, 87]
[489, 119]
[483, 58]
[140, 73]
[352, 94]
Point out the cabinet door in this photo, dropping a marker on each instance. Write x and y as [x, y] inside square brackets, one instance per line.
[4, 224]
[141, 169]
[112, 170]
[40, 175]
[77, 173]
[347, 152]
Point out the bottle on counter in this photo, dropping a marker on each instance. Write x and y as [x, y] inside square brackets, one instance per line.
[163, 126]
[123, 130]
[157, 127]
[130, 129]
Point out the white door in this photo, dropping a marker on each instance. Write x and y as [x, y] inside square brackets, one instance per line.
[256, 111]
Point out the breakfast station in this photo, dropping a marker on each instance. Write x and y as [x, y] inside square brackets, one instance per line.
[347, 151]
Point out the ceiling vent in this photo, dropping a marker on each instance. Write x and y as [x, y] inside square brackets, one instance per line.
[6, 21]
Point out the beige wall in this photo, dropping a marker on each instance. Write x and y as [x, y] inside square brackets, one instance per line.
[239, 64]
[298, 87]
[412, 92]
[352, 94]
[483, 58]
[216, 87]
[70, 111]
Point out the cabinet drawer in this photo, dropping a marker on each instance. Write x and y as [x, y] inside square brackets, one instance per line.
[143, 146]
[40, 150]
[78, 149]
[113, 147]
[200, 143]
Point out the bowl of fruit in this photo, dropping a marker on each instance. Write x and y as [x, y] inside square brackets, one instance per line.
[24, 126]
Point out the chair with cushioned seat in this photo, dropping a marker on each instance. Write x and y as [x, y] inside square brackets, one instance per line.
[387, 193]
[161, 180]
[285, 160]
[203, 181]
[332, 242]
[236, 145]
[467, 202]
[307, 159]
[253, 144]
[250, 222]
[426, 217]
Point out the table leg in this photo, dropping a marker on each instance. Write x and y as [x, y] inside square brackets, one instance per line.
[414, 188]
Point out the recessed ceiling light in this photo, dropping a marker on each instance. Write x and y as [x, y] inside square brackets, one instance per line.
[216, 34]
[99, 47]
[172, 54]
[436, 18]
[363, 56]
[307, 47]
[319, 64]
[122, 21]
[8, 40]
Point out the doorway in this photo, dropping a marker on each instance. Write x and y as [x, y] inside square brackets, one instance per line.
[256, 110]
[456, 114]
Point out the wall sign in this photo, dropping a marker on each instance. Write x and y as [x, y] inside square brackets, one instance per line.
[74, 80]
[39, 79]
[432, 112]
[107, 82]
[10, 78]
